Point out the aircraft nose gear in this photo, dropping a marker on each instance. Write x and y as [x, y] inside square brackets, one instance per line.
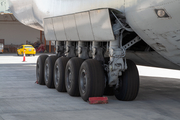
[117, 65]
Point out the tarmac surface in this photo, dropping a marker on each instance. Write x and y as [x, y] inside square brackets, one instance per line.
[22, 99]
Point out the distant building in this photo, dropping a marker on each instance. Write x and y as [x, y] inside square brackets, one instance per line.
[13, 33]
[4, 7]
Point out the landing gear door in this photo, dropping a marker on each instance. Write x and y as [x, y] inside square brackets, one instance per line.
[94, 25]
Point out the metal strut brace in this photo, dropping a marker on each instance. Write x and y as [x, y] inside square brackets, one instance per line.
[128, 29]
[132, 42]
[70, 50]
[97, 51]
[117, 52]
[59, 48]
[82, 50]
[117, 55]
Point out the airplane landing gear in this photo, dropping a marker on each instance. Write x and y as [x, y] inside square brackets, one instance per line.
[88, 73]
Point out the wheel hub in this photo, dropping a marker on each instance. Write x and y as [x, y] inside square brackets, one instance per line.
[69, 78]
[57, 75]
[46, 72]
[83, 81]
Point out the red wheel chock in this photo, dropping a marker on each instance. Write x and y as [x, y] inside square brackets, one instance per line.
[98, 100]
[36, 81]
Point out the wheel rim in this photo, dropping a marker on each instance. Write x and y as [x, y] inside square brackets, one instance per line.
[46, 72]
[69, 78]
[57, 75]
[83, 81]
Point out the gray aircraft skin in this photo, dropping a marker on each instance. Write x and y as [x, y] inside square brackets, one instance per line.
[161, 33]
[102, 38]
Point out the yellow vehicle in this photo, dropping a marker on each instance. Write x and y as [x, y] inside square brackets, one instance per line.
[28, 49]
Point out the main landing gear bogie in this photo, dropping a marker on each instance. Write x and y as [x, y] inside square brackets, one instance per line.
[93, 68]
[85, 78]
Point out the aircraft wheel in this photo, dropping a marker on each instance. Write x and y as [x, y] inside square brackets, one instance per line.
[91, 79]
[48, 71]
[109, 91]
[59, 74]
[72, 75]
[40, 69]
[129, 83]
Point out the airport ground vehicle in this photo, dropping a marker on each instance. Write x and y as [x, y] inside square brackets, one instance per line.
[1, 48]
[28, 49]
[98, 40]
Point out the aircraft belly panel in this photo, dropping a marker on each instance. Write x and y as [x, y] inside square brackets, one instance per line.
[49, 30]
[59, 28]
[96, 26]
[34, 11]
[63, 21]
[101, 25]
[23, 11]
[84, 26]
[70, 28]
[64, 7]
[151, 59]
[162, 34]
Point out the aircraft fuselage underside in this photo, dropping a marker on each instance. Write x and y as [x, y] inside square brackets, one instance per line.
[95, 38]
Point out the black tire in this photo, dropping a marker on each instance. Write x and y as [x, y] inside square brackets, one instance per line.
[40, 69]
[17, 54]
[59, 74]
[91, 79]
[129, 83]
[72, 76]
[109, 91]
[49, 70]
